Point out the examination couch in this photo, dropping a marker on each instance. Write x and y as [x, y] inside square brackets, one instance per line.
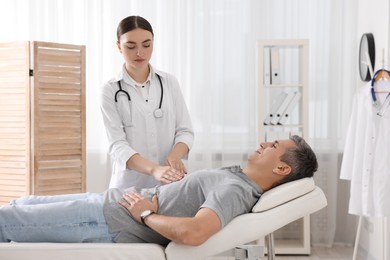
[275, 209]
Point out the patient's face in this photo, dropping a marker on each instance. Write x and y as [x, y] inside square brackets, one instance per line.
[267, 156]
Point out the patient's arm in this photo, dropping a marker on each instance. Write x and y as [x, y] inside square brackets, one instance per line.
[190, 231]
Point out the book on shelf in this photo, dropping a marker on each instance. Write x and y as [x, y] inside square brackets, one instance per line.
[274, 107]
[290, 108]
[282, 108]
[267, 66]
[275, 65]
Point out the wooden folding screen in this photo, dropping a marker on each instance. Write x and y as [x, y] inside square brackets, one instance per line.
[42, 119]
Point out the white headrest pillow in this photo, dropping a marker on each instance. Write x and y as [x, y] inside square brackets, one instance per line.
[283, 193]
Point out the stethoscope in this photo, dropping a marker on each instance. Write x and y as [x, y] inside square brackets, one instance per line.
[373, 95]
[158, 112]
[386, 103]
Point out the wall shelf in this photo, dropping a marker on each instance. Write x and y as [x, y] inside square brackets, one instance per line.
[282, 71]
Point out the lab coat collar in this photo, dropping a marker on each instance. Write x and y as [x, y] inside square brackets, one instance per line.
[125, 77]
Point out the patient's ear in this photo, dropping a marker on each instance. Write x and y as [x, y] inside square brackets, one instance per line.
[282, 170]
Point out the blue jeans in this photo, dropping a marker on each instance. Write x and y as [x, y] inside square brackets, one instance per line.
[72, 218]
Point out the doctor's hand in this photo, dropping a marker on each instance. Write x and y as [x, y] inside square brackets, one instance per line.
[135, 203]
[174, 157]
[177, 164]
[167, 174]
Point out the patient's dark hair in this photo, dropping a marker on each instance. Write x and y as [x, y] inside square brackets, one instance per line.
[131, 23]
[301, 159]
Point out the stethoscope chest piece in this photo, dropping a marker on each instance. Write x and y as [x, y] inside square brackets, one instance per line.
[158, 113]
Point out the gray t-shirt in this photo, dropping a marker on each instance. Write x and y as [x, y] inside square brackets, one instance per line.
[227, 191]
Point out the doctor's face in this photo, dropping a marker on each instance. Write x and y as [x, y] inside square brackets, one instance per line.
[136, 47]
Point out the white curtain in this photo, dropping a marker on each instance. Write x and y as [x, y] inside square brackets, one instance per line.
[210, 45]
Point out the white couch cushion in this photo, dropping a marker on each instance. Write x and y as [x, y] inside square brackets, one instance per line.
[81, 251]
[283, 193]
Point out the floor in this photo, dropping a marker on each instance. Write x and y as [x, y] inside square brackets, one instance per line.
[323, 253]
[317, 253]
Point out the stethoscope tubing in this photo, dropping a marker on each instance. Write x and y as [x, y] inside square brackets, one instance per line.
[120, 90]
[386, 103]
[373, 96]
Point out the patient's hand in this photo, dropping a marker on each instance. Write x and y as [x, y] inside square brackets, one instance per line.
[135, 203]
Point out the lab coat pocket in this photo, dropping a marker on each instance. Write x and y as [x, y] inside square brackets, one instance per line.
[125, 111]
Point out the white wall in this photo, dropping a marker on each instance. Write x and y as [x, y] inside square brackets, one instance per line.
[98, 171]
[374, 17]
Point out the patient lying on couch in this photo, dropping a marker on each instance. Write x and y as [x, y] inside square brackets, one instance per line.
[188, 211]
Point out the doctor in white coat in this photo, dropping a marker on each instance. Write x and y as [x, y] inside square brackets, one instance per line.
[146, 119]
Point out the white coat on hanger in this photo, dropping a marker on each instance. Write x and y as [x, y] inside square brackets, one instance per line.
[367, 155]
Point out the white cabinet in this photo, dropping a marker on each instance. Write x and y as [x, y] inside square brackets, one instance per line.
[282, 76]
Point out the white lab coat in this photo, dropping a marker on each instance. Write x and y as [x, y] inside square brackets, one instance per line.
[366, 159]
[132, 127]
